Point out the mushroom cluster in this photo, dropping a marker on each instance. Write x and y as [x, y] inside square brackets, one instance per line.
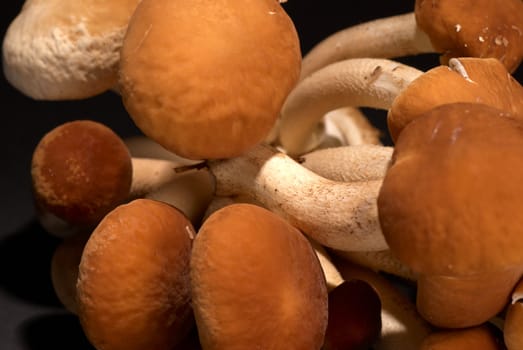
[259, 209]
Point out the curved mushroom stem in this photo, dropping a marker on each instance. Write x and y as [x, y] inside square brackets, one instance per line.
[349, 163]
[513, 327]
[389, 37]
[335, 214]
[402, 326]
[380, 261]
[62, 51]
[355, 82]
[350, 127]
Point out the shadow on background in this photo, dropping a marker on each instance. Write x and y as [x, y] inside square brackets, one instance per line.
[60, 330]
[25, 265]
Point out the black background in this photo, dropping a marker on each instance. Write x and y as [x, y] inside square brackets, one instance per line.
[30, 315]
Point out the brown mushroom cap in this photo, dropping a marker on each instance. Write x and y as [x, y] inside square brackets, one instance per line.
[207, 79]
[133, 284]
[477, 338]
[467, 79]
[453, 186]
[354, 316]
[474, 28]
[80, 170]
[64, 269]
[256, 282]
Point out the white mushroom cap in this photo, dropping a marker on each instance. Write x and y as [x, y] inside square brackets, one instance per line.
[58, 50]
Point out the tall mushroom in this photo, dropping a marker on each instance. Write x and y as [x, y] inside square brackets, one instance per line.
[464, 28]
[207, 79]
[452, 187]
[399, 88]
[56, 50]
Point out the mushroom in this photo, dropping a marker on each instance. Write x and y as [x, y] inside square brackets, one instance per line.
[481, 337]
[402, 326]
[71, 160]
[513, 325]
[473, 28]
[255, 280]
[64, 269]
[55, 50]
[81, 170]
[133, 288]
[354, 320]
[389, 85]
[465, 160]
[214, 86]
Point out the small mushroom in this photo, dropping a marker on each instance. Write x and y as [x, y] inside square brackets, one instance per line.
[402, 326]
[513, 326]
[256, 281]
[81, 170]
[472, 28]
[212, 87]
[64, 269]
[354, 316]
[133, 289]
[55, 50]
[465, 161]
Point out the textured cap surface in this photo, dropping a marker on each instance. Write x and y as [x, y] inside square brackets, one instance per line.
[450, 202]
[475, 28]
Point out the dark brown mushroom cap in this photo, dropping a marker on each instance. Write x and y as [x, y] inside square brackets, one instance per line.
[451, 200]
[207, 79]
[474, 28]
[81, 170]
[133, 283]
[467, 79]
[256, 282]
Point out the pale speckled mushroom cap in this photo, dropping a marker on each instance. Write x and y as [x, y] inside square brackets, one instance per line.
[59, 50]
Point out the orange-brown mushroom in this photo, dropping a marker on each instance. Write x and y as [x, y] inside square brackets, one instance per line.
[82, 169]
[133, 289]
[481, 337]
[453, 28]
[207, 79]
[452, 187]
[256, 281]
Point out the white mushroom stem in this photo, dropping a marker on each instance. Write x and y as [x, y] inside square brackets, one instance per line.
[339, 215]
[56, 50]
[349, 126]
[349, 163]
[402, 326]
[358, 82]
[380, 261]
[388, 37]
